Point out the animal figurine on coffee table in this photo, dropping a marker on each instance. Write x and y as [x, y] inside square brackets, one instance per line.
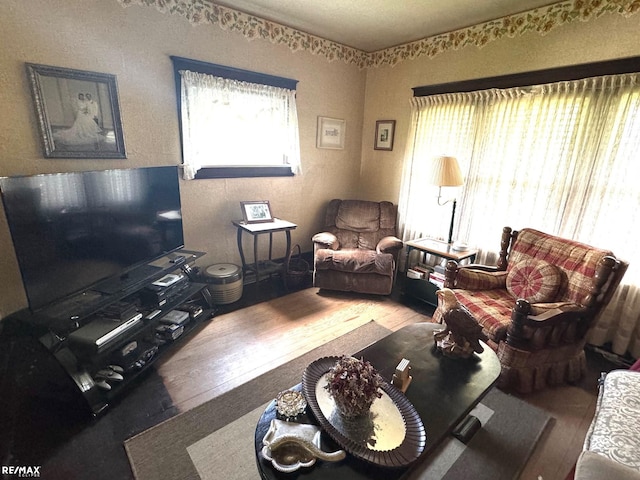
[462, 334]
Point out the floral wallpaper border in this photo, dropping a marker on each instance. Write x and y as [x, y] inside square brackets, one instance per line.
[541, 20]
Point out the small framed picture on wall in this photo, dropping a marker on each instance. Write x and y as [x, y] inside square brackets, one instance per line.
[385, 131]
[330, 133]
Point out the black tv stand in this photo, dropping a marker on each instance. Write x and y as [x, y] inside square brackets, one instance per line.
[129, 280]
[105, 337]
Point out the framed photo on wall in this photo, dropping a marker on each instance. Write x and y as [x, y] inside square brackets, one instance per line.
[330, 133]
[256, 212]
[385, 131]
[77, 111]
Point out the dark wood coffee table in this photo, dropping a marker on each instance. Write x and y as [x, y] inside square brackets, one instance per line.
[443, 391]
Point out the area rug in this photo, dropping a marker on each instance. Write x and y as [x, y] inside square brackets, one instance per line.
[161, 451]
[510, 431]
[499, 450]
[215, 441]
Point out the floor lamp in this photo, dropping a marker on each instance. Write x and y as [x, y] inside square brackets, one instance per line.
[445, 172]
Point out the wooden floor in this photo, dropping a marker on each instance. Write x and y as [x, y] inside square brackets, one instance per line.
[225, 354]
[263, 330]
[239, 346]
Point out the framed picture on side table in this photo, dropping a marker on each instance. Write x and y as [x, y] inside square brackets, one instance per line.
[256, 212]
[78, 112]
[385, 131]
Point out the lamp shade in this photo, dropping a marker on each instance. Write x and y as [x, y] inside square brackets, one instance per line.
[445, 172]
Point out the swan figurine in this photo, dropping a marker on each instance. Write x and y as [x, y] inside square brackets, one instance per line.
[291, 446]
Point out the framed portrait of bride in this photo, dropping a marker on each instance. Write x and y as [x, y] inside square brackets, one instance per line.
[77, 112]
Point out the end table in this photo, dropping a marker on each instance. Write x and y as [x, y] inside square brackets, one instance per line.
[423, 289]
[267, 267]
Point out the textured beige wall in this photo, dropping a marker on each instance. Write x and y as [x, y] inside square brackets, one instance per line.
[388, 90]
[135, 44]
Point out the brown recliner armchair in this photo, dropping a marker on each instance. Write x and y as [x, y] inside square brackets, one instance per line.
[358, 250]
[537, 304]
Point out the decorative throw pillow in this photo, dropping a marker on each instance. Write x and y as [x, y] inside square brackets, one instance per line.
[536, 281]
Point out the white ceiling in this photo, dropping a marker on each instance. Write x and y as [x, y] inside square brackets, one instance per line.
[373, 25]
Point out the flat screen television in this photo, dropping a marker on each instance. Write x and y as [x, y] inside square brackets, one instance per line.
[76, 231]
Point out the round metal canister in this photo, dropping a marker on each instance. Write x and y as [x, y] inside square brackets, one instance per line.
[224, 281]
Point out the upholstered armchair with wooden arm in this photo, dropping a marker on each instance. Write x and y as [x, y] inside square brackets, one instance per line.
[358, 249]
[537, 304]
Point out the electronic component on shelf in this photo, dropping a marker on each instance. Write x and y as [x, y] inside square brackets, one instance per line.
[169, 331]
[120, 310]
[101, 332]
[128, 348]
[153, 314]
[104, 336]
[193, 310]
[108, 374]
[176, 317]
[178, 259]
[140, 357]
[105, 377]
[103, 385]
[168, 280]
[157, 296]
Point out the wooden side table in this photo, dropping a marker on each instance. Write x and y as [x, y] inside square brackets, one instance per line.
[423, 289]
[267, 267]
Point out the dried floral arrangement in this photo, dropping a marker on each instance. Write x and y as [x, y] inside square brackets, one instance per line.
[354, 385]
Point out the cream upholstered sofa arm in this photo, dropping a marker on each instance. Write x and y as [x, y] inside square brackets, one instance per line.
[612, 444]
[326, 240]
[593, 466]
[389, 244]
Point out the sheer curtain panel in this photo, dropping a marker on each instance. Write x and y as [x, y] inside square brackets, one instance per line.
[561, 158]
[228, 122]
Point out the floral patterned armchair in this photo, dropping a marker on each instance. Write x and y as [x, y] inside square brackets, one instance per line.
[537, 304]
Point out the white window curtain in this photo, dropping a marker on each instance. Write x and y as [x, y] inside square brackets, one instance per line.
[562, 158]
[230, 123]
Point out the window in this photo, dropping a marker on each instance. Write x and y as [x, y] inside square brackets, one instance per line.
[560, 157]
[235, 123]
[551, 157]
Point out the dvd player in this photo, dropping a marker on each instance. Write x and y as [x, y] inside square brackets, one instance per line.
[168, 280]
[98, 334]
[156, 296]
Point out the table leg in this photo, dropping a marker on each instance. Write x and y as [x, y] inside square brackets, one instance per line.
[406, 258]
[467, 429]
[288, 251]
[255, 257]
[239, 240]
[286, 259]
